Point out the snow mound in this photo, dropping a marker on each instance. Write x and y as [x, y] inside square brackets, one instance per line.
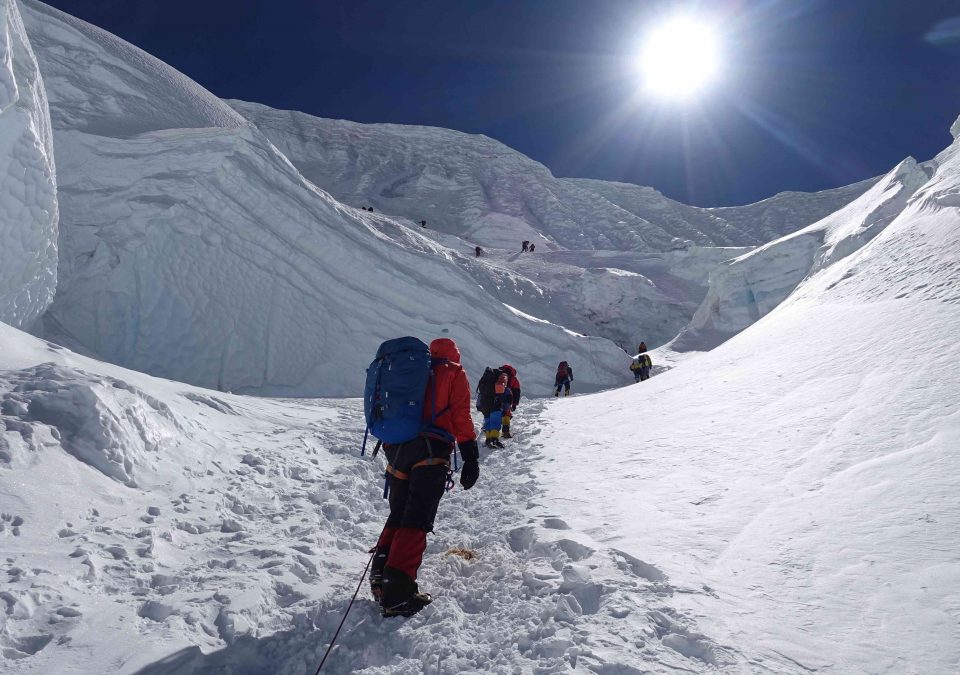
[485, 192]
[752, 285]
[28, 190]
[192, 249]
[102, 421]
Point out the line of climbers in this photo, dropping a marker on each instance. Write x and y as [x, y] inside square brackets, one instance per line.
[417, 403]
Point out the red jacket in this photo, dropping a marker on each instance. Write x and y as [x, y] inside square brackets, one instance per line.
[453, 392]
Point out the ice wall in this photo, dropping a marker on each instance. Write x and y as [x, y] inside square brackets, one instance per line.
[194, 250]
[750, 286]
[28, 190]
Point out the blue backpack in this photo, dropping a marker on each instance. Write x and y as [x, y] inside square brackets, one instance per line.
[393, 398]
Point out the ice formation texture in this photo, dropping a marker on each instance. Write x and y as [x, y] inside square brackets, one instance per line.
[28, 192]
[752, 285]
[484, 191]
[194, 250]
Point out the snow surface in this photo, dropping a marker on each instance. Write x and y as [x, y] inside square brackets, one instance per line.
[28, 191]
[813, 499]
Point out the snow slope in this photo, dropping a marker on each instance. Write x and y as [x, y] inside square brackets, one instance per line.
[803, 474]
[483, 191]
[28, 191]
[750, 286]
[785, 503]
[152, 527]
[192, 249]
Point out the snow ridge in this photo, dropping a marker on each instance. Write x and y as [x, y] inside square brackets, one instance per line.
[485, 192]
[750, 286]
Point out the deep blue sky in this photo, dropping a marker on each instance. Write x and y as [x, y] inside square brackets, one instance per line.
[818, 93]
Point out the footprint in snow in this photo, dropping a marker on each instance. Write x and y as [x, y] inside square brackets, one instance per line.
[687, 642]
[555, 524]
[627, 563]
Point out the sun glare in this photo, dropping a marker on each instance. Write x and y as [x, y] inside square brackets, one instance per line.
[679, 58]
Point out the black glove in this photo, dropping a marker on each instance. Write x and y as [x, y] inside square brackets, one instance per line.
[471, 466]
[469, 451]
[469, 473]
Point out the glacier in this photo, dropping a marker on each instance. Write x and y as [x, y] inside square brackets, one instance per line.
[192, 249]
[199, 247]
[750, 286]
[785, 502]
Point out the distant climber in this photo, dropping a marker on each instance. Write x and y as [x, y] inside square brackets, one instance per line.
[640, 367]
[524, 246]
[533, 247]
[646, 363]
[504, 403]
[478, 251]
[563, 379]
[370, 209]
[514, 385]
[642, 348]
[423, 223]
[417, 474]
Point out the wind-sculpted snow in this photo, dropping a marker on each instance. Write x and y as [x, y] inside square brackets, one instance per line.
[102, 421]
[485, 192]
[28, 200]
[201, 254]
[472, 189]
[752, 285]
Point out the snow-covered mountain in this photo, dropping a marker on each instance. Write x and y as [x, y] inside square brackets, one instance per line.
[192, 249]
[785, 503]
[485, 192]
[616, 260]
[750, 286]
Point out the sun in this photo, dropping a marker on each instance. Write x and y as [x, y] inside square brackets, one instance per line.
[679, 58]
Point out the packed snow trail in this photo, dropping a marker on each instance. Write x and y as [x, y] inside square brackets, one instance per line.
[536, 598]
